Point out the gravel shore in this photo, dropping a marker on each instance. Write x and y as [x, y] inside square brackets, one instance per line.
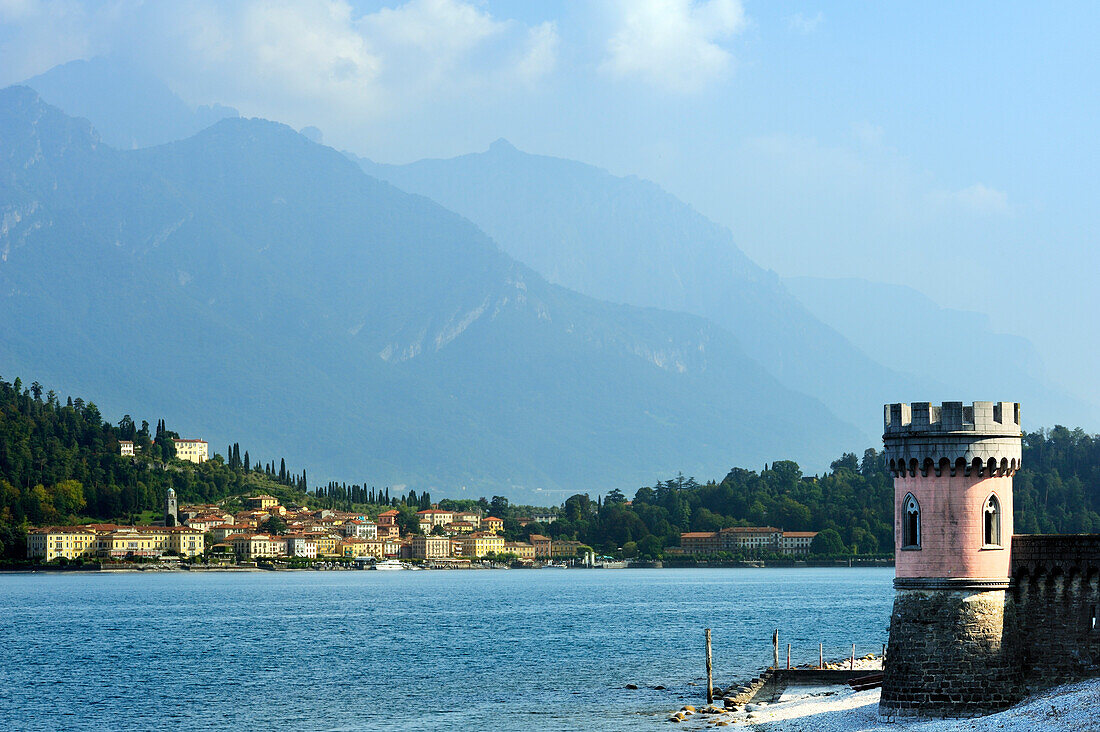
[839, 709]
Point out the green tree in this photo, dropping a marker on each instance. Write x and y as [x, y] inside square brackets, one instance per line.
[827, 543]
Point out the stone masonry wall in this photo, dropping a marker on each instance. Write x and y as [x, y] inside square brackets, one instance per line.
[1056, 601]
[947, 656]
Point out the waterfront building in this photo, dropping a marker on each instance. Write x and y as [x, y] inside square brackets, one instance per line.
[796, 542]
[482, 543]
[54, 542]
[301, 545]
[564, 548]
[700, 542]
[492, 523]
[194, 451]
[391, 546]
[521, 549]
[749, 538]
[327, 544]
[430, 547]
[353, 548]
[542, 544]
[746, 538]
[257, 546]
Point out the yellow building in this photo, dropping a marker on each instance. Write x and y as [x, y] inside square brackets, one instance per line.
[262, 503]
[257, 546]
[481, 543]
[55, 542]
[521, 549]
[186, 541]
[492, 523]
[132, 542]
[353, 547]
[193, 450]
[327, 545]
[565, 548]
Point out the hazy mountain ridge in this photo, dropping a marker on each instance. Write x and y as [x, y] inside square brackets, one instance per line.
[249, 281]
[954, 346]
[628, 240]
[130, 108]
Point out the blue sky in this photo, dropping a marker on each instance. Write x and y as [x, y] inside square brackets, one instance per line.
[948, 146]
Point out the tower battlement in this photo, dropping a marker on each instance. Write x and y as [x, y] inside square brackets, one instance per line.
[981, 438]
[983, 417]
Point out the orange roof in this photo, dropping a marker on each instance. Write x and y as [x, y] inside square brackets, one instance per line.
[699, 535]
[491, 518]
[391, 512]
[800, 534]
[538, 537]
[751, 530]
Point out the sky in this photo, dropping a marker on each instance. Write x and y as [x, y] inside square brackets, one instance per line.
[950, 147]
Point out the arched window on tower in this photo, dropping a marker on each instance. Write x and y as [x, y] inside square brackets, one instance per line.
[910, 527]
[992, 522]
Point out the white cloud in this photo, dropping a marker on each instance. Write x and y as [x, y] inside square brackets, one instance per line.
[288, 59]
[541, 54]
[805, 24]
[673, 44]
[978, 199]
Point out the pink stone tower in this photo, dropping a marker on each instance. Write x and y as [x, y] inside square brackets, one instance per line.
[953, 468]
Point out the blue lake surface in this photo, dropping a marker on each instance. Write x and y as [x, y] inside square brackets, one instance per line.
[431, 650]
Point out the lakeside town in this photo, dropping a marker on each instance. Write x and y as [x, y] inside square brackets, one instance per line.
[446, 538]
[258, 530]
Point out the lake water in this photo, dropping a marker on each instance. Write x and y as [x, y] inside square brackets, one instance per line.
[432, 650]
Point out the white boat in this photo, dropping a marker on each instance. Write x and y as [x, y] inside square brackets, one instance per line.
[388, 564]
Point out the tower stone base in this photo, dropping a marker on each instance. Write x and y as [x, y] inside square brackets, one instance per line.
[949, 654]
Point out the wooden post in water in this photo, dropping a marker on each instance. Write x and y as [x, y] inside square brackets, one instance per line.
[775, 648]
[853, 666]
[884, 656]
[710, 680]
[820, 655]
[788, 656]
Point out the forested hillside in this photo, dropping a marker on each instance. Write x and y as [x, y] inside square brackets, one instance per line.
[60, 462]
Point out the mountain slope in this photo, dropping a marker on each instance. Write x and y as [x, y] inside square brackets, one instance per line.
[627, 240]
[130, 108]
[953, 346]
[249, 281]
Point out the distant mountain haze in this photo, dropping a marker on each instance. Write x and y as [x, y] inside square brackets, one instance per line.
[906, 330]
[627, 240]
[130, 108]
[259, 287]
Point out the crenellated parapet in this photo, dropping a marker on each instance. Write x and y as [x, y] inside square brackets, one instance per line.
[982, 439]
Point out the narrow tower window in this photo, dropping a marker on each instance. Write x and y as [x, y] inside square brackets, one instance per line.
[992, 515]
[911, 523]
